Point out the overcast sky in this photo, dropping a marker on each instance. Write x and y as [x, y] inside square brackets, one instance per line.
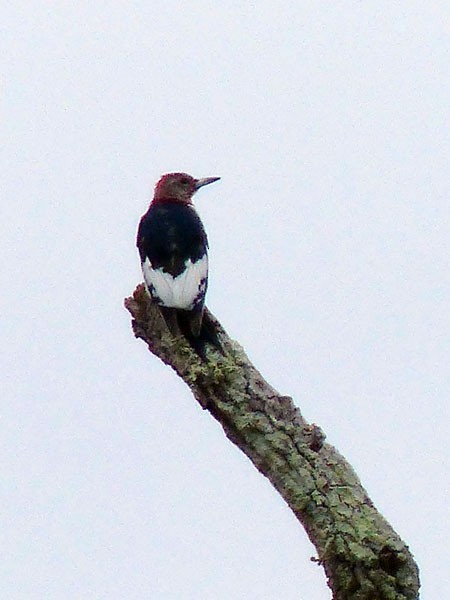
[329, 233]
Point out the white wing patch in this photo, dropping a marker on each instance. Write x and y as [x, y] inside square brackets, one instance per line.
[182, 291]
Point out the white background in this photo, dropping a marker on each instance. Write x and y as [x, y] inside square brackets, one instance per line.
[329, 235]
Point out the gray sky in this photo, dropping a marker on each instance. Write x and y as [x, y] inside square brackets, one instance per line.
[329, 235]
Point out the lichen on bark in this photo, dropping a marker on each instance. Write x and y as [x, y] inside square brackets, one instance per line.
[363, 557]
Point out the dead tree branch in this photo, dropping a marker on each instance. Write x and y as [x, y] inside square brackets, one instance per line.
[363, 557]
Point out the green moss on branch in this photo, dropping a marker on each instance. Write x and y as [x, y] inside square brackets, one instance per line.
[363, 557]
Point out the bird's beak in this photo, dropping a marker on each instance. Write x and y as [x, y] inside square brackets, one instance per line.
[205, 181]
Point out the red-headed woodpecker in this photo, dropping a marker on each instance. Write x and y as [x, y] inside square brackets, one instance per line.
[173, 248]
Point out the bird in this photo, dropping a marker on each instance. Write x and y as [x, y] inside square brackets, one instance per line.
[173, 249]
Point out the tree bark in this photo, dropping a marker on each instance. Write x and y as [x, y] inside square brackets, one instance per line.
[363, 557]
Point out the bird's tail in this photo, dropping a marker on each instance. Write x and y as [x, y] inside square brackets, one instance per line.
[198, 331]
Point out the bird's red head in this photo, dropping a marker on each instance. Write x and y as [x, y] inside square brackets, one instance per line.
[179, 187]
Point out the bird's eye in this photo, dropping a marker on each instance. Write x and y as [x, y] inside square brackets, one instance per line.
[184, 181]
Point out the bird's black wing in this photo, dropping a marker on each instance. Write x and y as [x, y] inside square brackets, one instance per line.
[170, 234]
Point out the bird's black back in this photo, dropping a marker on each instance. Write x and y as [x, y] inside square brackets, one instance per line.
[169, 234]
